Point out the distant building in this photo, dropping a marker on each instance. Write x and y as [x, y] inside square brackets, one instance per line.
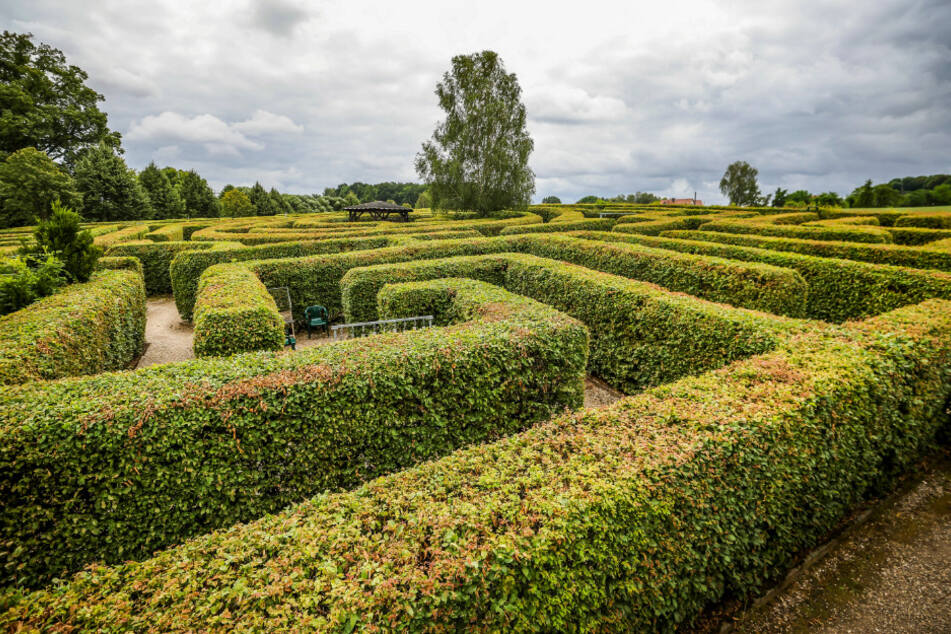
[681, 201]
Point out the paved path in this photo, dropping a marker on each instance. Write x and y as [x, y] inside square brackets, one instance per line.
[168, 337]
[891, 573]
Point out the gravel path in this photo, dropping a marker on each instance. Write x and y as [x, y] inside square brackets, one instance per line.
[168, 338]
[891, 573]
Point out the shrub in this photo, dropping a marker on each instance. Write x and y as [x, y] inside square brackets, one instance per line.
[847, 220]
[555, 226]
[134, 232]
[838, 233]
[941, 220]
[633, 517]
[168, 233]
[653, 227]
[60, 236]
[641, 334]
[917, 236]
[22, 283]
[893, 254]
[156, 258]
[837, 289]
[115, 466]
[120, 263]
[82, 329]
[235, 313]
[795, 218]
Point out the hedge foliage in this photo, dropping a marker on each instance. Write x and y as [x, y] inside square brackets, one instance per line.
[937, 220]
[847, 220]
[794, 218]
[134, 232]
[838, 233]
[641, 334]
[316, 279]
[893, 254]
[120, 263]
[838, 290]
[235, 313]
[654, 227]
[917, 236]
[156, 257]
[167, 233]
[629, 518]
[115, 466]
[592, 224]
[81, 329]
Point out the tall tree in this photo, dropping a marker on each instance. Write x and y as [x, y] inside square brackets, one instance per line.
[199, 199]
[260, 200]
[29, 184]
[478, 156]
[166, 203]
[235, 203]
[739, 184]
[779, 197]
[45, 102]
[278, 204]
[110, 190]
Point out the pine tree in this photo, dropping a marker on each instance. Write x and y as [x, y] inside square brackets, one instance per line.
[166, 203]
[110, 190]
[199, 199]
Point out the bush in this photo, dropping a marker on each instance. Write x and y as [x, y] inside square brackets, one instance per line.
[169, 233]
[641, 335]
[604, 224]
[235, 313]
[83, 329]
[838, 233]
[654, 227]
[134, 232]
[23, 283]
[941, 220]
[120, 263]
[632, 518]
[837, 289]
[61, 237]
[847, 220]
[893, 254]
[795, 218]
[917, 236]
[115, 466]
[156, 258]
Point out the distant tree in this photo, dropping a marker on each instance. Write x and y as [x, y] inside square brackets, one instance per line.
[588, 200]
[739, 184]
[478, 156]
[278, 204]
[941, 195]
[800, 196]
[235, 203]
[199, 199]
[224, 190]
[46, 103]
[862, 196]
[110, 190]
[644, 198]
[779, 197]
[62, 237]
[29, 183]
[261, 201]
[425, 201]
[165, 200]
[350, 199]
[829, 199]
[885, 196]
[551, 200]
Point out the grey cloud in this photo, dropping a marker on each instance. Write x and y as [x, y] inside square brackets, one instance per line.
[278, 16]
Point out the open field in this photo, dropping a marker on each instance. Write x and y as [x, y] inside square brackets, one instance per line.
[775, 369]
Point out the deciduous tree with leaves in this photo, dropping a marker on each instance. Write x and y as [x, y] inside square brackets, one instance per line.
[478, 157]
[29, 184]
[739, 184]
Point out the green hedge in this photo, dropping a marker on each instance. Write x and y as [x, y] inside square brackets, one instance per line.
[316, 279]
[641, 335]
[917, 236]
[838, 233]
[156, 257]
[847, 220]
[115, 466]
[235, 313]
[794, 218]
[654, 227]
[120, 263]
[940, 220]
[893, 254]
[629, 518]
[167, 233]
[594, 224]
[838, 290]
[135, 232]
[80, 329]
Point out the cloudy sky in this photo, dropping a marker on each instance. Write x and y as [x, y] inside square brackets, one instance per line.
[621, 96]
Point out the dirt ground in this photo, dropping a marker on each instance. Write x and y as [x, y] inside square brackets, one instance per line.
[167, 337]
[889, 573]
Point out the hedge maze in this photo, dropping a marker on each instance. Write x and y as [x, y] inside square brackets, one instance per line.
[779, 369]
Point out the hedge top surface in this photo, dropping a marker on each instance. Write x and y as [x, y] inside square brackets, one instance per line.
[484, 538]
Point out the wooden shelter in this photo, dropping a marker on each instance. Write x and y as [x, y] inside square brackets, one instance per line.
[377, 210]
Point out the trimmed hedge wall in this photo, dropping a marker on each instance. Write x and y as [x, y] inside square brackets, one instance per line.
[80, 329]
[168, 233]
[654, 227]
[838, 290]
[316, 279]
[917, 236]
[939, 220]
[594, 224]
[847, 220]
[893, 254]
[156, 257]
[235, 313]
[629, 518]
[120, 263]
[838, 233]
[641, 334]
[794, 218]
[115, 466]
[135, 232]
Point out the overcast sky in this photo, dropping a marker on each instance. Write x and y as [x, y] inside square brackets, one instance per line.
[621, 96]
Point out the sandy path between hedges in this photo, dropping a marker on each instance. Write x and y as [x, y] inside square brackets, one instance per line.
[168, 338]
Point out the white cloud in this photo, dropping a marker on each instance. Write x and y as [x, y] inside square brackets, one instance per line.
[264, 122]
